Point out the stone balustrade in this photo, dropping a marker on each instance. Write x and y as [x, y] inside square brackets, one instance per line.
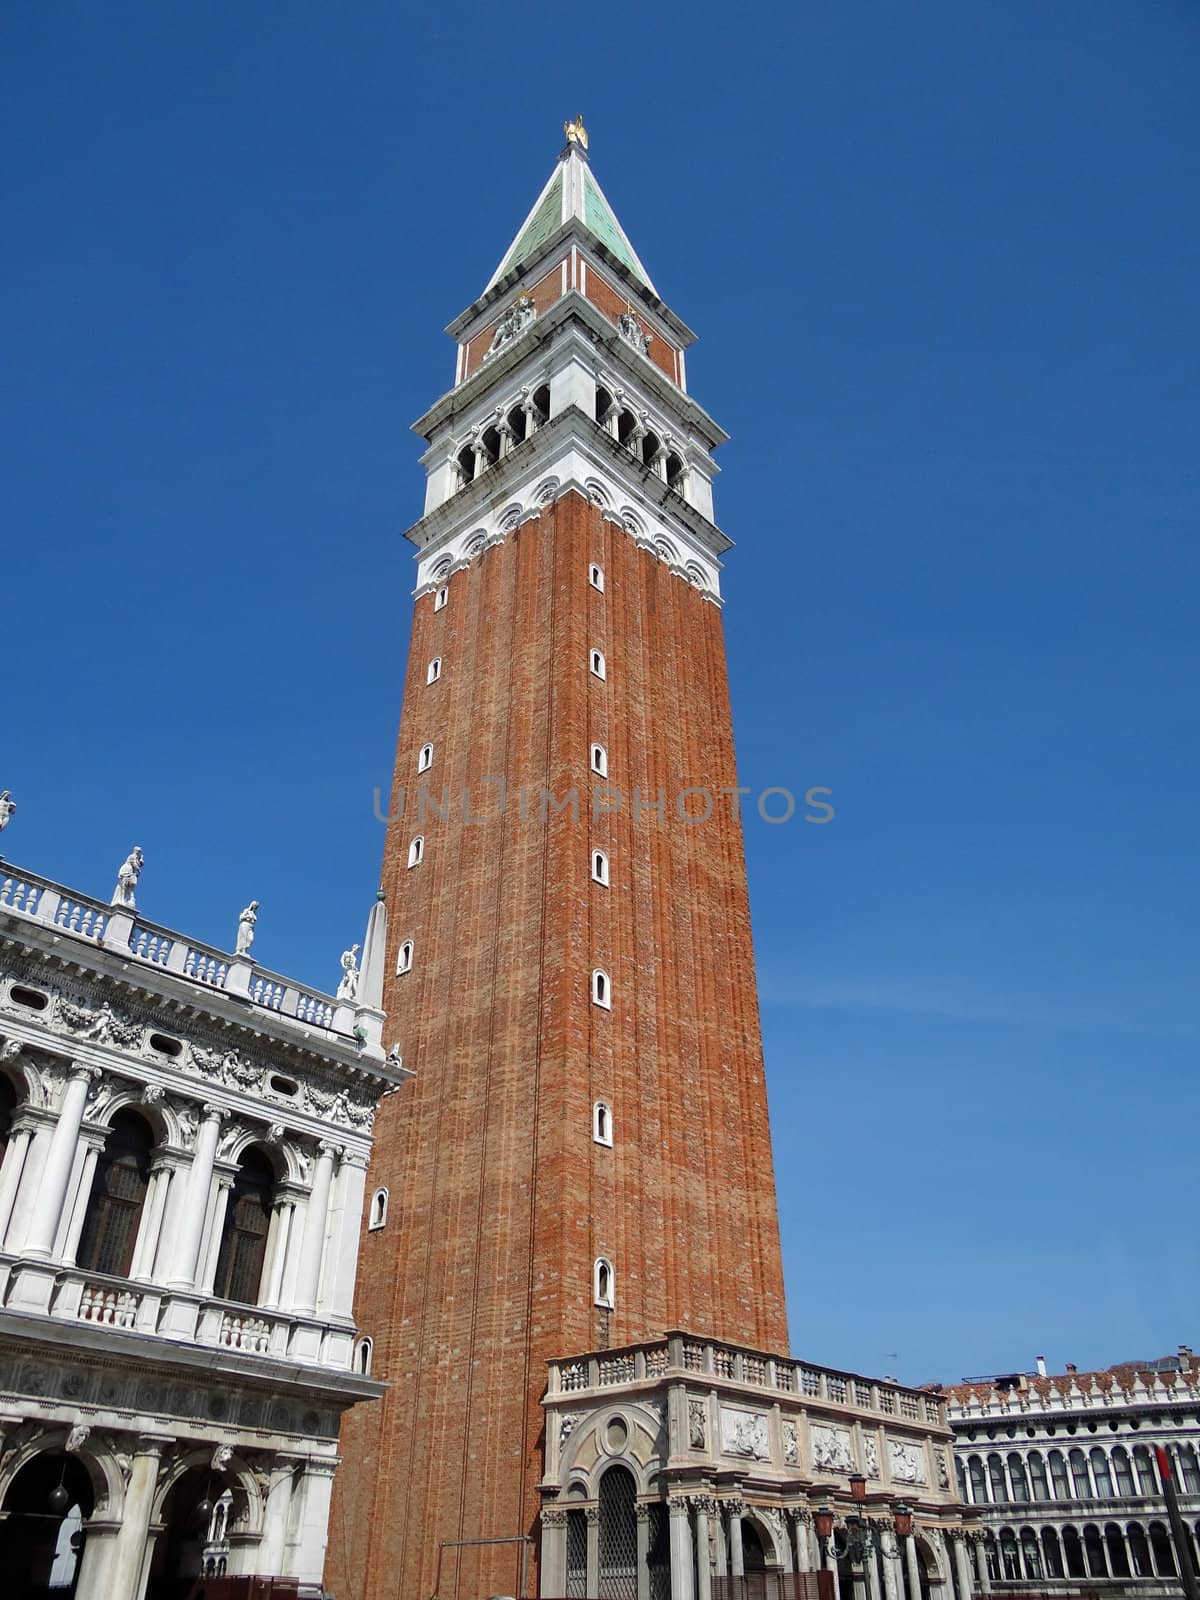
[122, 931]
[145, 1308]
[680, 1354]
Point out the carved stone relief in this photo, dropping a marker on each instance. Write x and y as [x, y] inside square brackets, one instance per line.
[744, 1433]
[831, 1448]
[907, 1462]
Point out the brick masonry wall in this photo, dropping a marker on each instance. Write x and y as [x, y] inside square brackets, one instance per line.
[499, 1199]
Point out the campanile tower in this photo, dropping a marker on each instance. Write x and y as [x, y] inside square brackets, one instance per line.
[582, 1159]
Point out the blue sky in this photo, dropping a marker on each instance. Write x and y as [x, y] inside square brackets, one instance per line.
[944, 264]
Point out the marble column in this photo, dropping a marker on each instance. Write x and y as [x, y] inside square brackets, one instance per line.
[912, 1561]
[736, 1558]
[194, 1211]
[305, 1557]
[60, 1159]
[893, 1581]
[116, 1565]
[962, 1566]
[312, 1248]
[703, 1506]
[985, 1577]
[10, 1174]
[269, 1562]
[338, 1291]
[681, 1550]
[643, 1552]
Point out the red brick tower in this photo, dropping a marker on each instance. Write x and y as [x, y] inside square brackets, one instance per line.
[583, 1158]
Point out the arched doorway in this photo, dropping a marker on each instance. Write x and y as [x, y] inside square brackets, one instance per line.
[754, 1562]
[193, 1533]
[618, 1536]
[43, 1526]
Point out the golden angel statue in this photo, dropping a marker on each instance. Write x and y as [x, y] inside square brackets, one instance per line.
[576, 132]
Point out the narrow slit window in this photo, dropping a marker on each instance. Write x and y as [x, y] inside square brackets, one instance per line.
[404, 960]
[596, 664]
[603, 1284]
[416, 851]
[596, 577]
[379, 1208]
[600, 760]
[425, 759]
[602, 1123]
[362, 1357]
[600, 867]
[440, 598]
[434, 671]
[601, 989]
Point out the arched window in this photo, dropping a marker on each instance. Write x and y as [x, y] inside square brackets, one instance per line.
[416, 850]
[601, 989]
[440, 598]
[1101, 1473]
[1010, 1559]
[1160, 1545]
[617, 1541]
[996, 1475]
[1073, 1553]
[434, 670]
[602, 1123]
[1186, 1456]
[1058, 1475]
[1037, 1476]
[1118, 1561]
[600, 760]
[377, 1215]
[1122, 1472]
[114, 1212]
[1139, 1551]
[1147, 1477]
[362, 1356]
[404, 958]
[596, 577]
[979, 1488]
[1016, 1476]
[1079, 1475]
[1052, 1553]
[425, 759]
[600, 867]
[596, 664]
[603, 1283]
[1031, 1554]
[1093, 1549]
[244, 1236]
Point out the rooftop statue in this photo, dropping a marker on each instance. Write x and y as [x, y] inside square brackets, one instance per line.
[7, 807]
[348, 988]
[245, 933]
[127, 878]
[576, 132]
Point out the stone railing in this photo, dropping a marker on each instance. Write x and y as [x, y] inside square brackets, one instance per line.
[149, 1309]
[685, 1355]
[121, 930]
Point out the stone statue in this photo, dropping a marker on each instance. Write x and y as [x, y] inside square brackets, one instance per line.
[871, 1457]
[127, 878]
[630, 328]
[7, 807]
[348, 988]
[245, 933]
[394, 1058]
[514, 321]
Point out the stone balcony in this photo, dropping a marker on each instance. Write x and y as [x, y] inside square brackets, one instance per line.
[184, 1317]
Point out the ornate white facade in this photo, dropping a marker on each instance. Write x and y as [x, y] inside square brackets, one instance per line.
[687, 1465]
[1062, 1471]
[185, 1140]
